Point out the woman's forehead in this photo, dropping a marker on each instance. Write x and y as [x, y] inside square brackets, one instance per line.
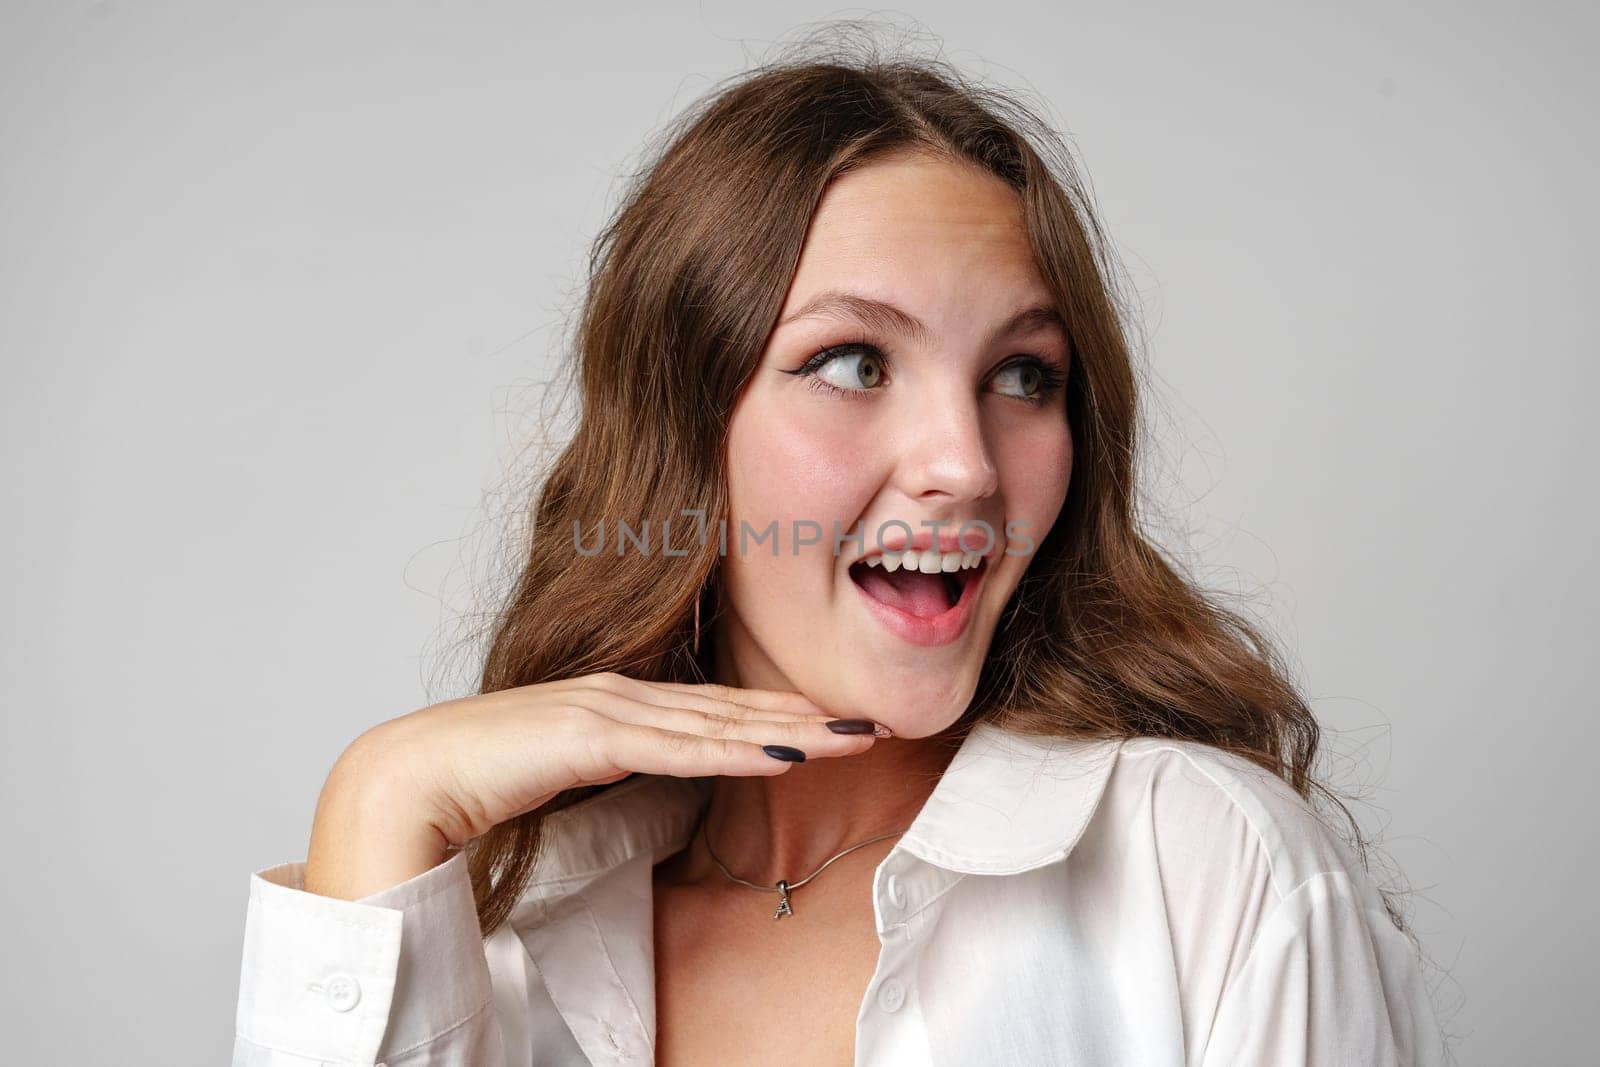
[916, 233]
[902, 204]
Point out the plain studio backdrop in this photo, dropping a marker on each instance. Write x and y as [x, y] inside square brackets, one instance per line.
[278, 283]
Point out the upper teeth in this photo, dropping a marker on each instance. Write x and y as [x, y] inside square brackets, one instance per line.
[928, 561]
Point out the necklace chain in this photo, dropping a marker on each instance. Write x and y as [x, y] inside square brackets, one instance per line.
[783, 887]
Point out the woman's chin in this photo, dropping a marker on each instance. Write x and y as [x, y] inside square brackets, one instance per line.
[911, 707]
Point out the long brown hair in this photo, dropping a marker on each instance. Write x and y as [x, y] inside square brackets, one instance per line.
[1104, 636]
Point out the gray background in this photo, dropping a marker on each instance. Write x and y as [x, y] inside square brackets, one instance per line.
[278, 283]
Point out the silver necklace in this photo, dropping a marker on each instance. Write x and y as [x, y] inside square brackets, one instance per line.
[784, 887]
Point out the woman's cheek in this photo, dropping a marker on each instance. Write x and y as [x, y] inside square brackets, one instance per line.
[790, 469]
[1034, 474]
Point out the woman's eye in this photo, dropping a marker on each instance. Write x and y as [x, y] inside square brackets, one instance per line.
[1029, 379]
[852, 370]
[1020, 379]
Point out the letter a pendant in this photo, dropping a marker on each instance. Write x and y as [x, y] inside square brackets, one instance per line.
[783, 902]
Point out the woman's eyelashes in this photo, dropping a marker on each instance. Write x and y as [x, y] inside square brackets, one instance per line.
[854, 370]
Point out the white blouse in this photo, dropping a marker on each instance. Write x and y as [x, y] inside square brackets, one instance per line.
[1055, 901]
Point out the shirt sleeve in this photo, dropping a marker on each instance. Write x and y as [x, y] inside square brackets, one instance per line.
[395, 979]
[1328, 981]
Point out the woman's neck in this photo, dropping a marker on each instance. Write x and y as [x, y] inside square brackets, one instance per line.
[787, 825]
[766, 828]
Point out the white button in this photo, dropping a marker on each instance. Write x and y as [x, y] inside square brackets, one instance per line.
[891, 995]
[343, 992]
[892, 884]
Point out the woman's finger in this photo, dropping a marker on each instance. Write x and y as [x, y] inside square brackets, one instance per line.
[809, 735]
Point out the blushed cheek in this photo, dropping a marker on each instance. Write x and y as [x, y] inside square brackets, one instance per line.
[1036, 471]
[788, 468]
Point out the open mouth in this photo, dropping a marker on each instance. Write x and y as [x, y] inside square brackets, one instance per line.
[911, 590]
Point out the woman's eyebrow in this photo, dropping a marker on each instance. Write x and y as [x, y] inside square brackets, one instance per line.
[887, 318]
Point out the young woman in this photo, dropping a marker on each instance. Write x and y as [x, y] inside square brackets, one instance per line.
[842, 713]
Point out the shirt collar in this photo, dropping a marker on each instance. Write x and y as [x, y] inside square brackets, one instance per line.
[1007, 803]
[1010, 802]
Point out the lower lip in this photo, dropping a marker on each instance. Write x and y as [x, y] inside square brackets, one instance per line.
[930, 632]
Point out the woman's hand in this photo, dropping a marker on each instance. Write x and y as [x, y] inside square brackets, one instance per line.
[409, 789]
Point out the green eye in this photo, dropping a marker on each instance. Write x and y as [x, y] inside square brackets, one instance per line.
[1029, 379]
[1020, 379]
[852, 370]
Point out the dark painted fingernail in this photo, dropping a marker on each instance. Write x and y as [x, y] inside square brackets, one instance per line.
[852, 726]
[784, 752]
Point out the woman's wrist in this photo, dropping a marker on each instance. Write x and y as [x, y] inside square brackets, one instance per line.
[370, 831]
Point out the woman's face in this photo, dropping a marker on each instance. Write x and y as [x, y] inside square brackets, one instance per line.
[900, 386]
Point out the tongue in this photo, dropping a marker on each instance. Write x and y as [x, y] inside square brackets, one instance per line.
[912, 592]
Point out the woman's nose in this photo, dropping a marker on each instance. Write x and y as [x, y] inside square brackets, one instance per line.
[946, 452]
